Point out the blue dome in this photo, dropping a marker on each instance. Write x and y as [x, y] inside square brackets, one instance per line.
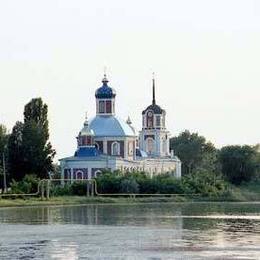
[110, 126]
[105, 91]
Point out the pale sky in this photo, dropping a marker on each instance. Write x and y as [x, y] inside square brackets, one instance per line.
[205, 53]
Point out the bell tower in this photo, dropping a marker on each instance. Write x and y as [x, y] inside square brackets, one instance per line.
[154, 137]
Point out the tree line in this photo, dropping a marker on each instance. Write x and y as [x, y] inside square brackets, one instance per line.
[235, 163]
[27, 150]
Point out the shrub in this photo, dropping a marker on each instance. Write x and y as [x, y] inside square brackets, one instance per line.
[79, 188]
[129, 185]
[29, 184]
[109, 182]
[61, 190]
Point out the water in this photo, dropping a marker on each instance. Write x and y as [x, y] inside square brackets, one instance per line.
[150, 231]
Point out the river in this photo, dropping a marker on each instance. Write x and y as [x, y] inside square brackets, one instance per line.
[144, 231]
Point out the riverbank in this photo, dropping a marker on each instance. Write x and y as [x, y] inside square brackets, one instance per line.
[244, 193]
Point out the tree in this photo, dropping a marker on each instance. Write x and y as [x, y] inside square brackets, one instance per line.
[30, 151]
[3, 151]
[15, 153]
[37, 149]
[3, 139]
[238, 163]
[194, 152]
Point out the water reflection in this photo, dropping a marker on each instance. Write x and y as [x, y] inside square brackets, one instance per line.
[151, 231]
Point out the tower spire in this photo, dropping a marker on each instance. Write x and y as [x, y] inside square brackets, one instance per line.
[153, 90]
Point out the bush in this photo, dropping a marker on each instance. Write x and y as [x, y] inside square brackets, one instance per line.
[29, 184]
[61, 190]
[129, 185]
[79, 188]
[109, 182]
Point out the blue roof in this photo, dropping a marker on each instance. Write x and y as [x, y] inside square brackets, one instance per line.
[110, 126]
[86, 152]
[105, 91]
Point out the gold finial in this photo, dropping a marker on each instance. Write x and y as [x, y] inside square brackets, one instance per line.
[105, 80]
[86, 119]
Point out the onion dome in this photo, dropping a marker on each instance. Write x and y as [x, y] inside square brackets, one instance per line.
[105, 91]
[155, 108]
[86, 131]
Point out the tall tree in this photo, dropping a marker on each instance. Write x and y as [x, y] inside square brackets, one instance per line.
[3, 152]
[15, 152]
[238, 163]
[37, 111]
[194, 152]
[37, 149]
[3, 138]
[30, 151]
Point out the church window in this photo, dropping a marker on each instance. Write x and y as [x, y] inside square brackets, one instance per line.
[97, 173]
[150, 145]
[79, 175]
[150, 119]
[89, 140]
[164, 146]
[115, 148]
[158, 121]
[163, 121]
[83, 140]
[102, 107]
[130, 148]
[108, 107]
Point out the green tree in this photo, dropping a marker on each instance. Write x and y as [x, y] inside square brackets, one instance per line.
[30, 151]
[238, 163]
[37, 149]
[15, 153]
[3, 151]
[257, 149]
[194, 152]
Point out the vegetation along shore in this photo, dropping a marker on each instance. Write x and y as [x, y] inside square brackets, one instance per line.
[231, 173]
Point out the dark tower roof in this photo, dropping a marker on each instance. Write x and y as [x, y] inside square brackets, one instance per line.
[105, 91]
[155, 108]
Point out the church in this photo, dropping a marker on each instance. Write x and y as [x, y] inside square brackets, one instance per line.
[107, 142]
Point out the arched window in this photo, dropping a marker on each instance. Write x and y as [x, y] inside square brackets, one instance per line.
[150, 145]
[102, 107]
[130, 148]
[115, 148]
[149, 117]
[97, 173]
[164, 146]
[79, 175]
[158, 121]
[108, 107]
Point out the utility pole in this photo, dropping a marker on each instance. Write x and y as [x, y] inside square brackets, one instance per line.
[4, 172]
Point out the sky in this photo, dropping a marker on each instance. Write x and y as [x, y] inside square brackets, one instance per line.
[205, 55]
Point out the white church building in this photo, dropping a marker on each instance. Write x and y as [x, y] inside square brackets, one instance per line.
[107, 142]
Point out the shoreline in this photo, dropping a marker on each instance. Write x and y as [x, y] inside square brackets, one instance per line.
[82, 200]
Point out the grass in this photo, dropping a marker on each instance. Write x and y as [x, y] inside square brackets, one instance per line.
[81, 200]
[245, 192]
